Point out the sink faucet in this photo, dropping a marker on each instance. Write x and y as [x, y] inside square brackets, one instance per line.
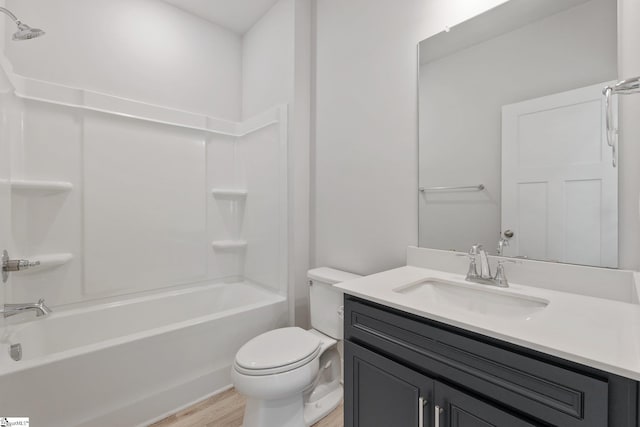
[485, 277]
[485, 268]
[12, 309]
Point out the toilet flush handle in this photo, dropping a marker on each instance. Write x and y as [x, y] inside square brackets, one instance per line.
[341, 312]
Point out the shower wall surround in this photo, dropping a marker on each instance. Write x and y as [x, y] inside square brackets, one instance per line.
[150, 205]
[153, 52]
[164, 174]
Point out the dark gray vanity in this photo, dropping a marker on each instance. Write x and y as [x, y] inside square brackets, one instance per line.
[403, 370]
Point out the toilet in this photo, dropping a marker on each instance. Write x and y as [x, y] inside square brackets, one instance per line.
[292, 377]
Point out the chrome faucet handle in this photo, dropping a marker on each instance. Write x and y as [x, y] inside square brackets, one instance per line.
[42, 309]
[472, 272]
[501, 278]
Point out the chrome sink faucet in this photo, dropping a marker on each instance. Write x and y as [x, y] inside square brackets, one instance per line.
[39, 307]
[485, 277]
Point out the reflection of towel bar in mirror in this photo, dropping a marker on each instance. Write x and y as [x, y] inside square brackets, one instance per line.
[479, 187]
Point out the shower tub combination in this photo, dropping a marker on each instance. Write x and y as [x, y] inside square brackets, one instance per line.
[134, 360]
[166, 274]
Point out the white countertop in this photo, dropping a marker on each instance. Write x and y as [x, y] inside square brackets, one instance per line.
[600, 333]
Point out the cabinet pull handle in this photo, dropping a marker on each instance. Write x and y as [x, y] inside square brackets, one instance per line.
[438, 410]
[421, 404]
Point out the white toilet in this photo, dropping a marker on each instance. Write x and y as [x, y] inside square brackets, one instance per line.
[292, 377]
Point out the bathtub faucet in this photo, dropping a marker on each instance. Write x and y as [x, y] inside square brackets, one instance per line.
[39, 307]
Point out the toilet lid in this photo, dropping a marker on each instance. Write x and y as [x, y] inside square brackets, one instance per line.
[281, 348]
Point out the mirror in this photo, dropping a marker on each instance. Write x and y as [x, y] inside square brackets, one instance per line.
[512, 141]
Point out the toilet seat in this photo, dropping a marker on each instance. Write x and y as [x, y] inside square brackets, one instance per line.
[277, 351]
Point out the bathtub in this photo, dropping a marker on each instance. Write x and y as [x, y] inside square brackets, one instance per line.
[131, 362]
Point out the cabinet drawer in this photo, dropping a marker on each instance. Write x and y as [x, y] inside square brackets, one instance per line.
[542, 390]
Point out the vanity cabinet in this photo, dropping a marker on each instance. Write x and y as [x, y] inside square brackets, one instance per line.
[404, 370]
[390, 394]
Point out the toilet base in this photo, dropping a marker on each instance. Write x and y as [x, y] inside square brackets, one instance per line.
[314, 412]
[290, 412]
[287, 412]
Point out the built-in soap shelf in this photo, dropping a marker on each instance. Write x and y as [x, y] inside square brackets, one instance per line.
[49, 261]
[40, 187]
[229, 244]
[227, 193]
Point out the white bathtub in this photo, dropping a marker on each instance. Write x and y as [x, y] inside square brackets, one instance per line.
[131, 362]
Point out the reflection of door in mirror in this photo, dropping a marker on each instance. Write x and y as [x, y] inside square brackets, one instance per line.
[559, 185]
[551, 59]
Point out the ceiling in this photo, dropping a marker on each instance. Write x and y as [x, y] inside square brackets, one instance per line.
[502, 19]
[235, 15]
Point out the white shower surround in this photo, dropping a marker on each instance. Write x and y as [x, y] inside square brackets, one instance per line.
[141, 351]
[66, 134]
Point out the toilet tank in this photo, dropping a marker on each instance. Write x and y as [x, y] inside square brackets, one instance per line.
[326, 301]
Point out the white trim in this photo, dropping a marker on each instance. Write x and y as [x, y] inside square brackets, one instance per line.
[88, 100]
[285, 210]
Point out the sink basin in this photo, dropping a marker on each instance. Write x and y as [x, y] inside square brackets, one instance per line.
[462, 296]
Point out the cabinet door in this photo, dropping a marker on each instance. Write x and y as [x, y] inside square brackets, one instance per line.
[382, 393]
[457, 409]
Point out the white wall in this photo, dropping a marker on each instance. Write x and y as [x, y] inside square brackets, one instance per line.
[460, 112]
[146, 50]
[276, 70]
[267, 60]
[365, 203]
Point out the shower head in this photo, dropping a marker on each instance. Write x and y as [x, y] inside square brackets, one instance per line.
[24, 32]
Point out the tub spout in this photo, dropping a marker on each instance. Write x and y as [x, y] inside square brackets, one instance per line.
[39, 307]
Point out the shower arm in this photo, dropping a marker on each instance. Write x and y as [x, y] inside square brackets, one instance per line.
[10, 14]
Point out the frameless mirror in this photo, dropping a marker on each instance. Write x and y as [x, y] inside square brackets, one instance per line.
[512, 141]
